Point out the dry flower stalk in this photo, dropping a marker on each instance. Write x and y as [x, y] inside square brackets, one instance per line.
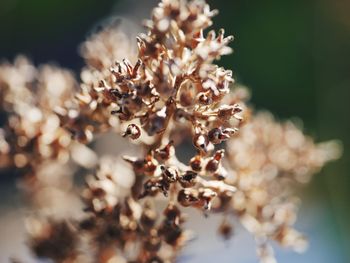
[172, 91]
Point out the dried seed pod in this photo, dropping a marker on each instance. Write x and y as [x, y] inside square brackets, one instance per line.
[214, 135]
[227, 133]
[188, 197]
[201, 142]
[218, 135]
[155, 123]
[165, 153]
[214, 162]
[205, 196]
[132, 131]
[225, 112]
[153, 186]
[150, 166]
[188, 179]
[204, 98]
[170, 174]
[196, 163]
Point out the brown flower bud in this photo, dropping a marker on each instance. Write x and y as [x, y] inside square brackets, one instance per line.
[188, 179]
[170, 174]
[214, 135]
[188, 197]
[225, 112]
[196, 163]
[218, 135]
[152, 187]
[132, 131]
[205, 197]
[165, 153]
[201, 142]
[204, 98]
[214, 162]
[150, 165]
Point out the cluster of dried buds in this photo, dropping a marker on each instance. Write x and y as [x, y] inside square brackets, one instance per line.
[32, 138]
[29, 98]
[174, 79]
[92, 107]
[171, 92]
[118, 220]
[116, 227]
[283, 157]
[193, 184]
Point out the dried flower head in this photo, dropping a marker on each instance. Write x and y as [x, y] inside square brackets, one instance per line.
[173, 80]
[116, 220]
[29, 99]
[169, 91]
[282, 157]
[32, 139]
[90, 112]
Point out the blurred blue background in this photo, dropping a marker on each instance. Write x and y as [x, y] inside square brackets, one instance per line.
[293, 55]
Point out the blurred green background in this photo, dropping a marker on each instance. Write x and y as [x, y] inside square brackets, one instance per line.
[293, 55]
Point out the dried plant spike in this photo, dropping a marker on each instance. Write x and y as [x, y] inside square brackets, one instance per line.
[175, 62]
[164, 94]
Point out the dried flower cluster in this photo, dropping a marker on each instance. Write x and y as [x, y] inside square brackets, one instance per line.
[32, 139]
[282, 158]
[91, 112]
[29, 98]
[170, 93]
